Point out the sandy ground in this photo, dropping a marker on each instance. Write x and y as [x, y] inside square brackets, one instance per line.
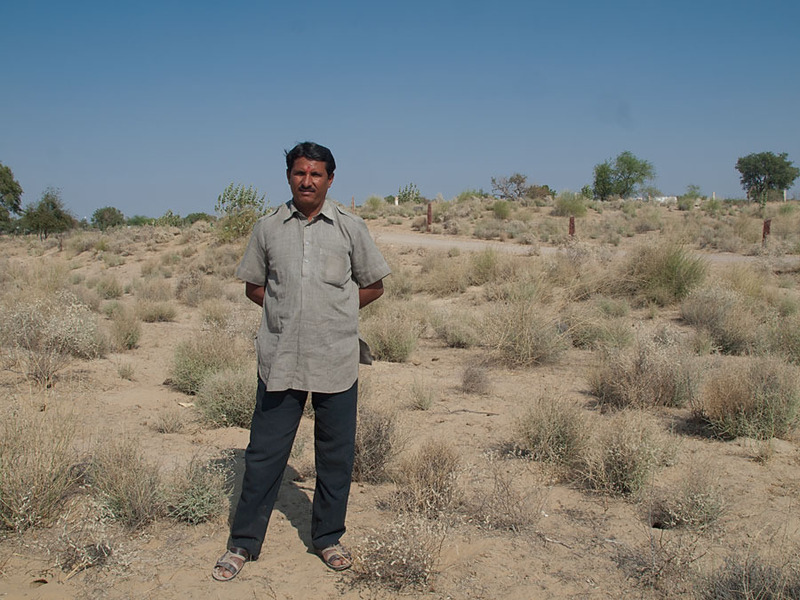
[578, 545]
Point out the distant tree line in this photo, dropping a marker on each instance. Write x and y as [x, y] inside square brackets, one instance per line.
[763, 175]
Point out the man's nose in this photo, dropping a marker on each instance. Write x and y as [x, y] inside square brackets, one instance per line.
[306, 180]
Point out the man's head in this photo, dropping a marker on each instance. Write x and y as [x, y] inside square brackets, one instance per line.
[311, 151]
[309, 170]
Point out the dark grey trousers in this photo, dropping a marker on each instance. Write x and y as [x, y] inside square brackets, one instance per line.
[275, 421]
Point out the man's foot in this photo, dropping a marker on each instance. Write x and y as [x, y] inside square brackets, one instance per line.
[336, 557]
[230, 563]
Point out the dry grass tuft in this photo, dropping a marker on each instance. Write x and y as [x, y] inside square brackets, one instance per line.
[377, 439]
[510, 504]
[198, 492]
[205, 354]
[475, 378]
[624, 455]
[37, 466]
[552, 430]
[696, 504]
[524, 334]
[663, 274]
[428, 480]
[759, 399]
[752, 577]
[400, 557]
[654, 373]
[129, 486]
[226, 398]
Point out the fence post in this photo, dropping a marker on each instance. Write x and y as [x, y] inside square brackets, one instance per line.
[430, 216]
[572, 226]
[765, 232]
[353, 203]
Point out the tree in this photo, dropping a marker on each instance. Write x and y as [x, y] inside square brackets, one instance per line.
[106, 217]
[630, 172]
[240, 207]
[10, 194]
[510, 188]
[48, 215]
[603, 187]
[409, 193]
[622, 177]
[764, 171]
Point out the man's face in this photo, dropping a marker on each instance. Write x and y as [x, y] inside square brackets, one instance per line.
[309, 182]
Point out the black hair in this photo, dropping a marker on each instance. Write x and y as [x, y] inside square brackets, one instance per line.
[311, 151]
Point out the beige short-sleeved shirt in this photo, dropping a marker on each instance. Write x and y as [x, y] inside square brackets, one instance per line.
[312, 270]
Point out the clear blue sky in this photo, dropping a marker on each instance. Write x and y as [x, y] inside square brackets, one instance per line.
[149, 106]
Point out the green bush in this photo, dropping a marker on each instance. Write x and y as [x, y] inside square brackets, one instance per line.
[501, 209]
[663, 274]
[569, 204]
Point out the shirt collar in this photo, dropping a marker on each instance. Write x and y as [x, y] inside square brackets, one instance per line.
[327, 211]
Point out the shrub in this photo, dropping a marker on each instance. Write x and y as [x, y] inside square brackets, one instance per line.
[377, 441]
[226, 398]
[456, 329]
[552, 430]
[109, 287]
[510, 505]
[125, 330]
[696, 504]
[663, 274]
[652, 374]
[760, 400]
[402, 555]
[37, 466]
[194, 288]
[198, 493]
[155, 290]
[475, 379]
[569, 204]
[201, 356]
[44, 334]
[129, 486]
[422, 395]
[501, 209]
[751, 578]
[443, 275]
[523, 334]
[724, 314]
[155, 312]
[591, 331]
[392, 331]
[621, 459]
[428, 480]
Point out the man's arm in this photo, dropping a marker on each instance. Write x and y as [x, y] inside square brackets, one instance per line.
[366, 294]
[254, 292]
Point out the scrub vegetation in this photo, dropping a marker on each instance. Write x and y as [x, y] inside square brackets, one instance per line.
[547, 408]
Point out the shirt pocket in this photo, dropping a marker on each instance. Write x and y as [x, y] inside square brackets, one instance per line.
[335, 265]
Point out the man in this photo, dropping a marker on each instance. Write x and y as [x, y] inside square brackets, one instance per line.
[311, 265]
